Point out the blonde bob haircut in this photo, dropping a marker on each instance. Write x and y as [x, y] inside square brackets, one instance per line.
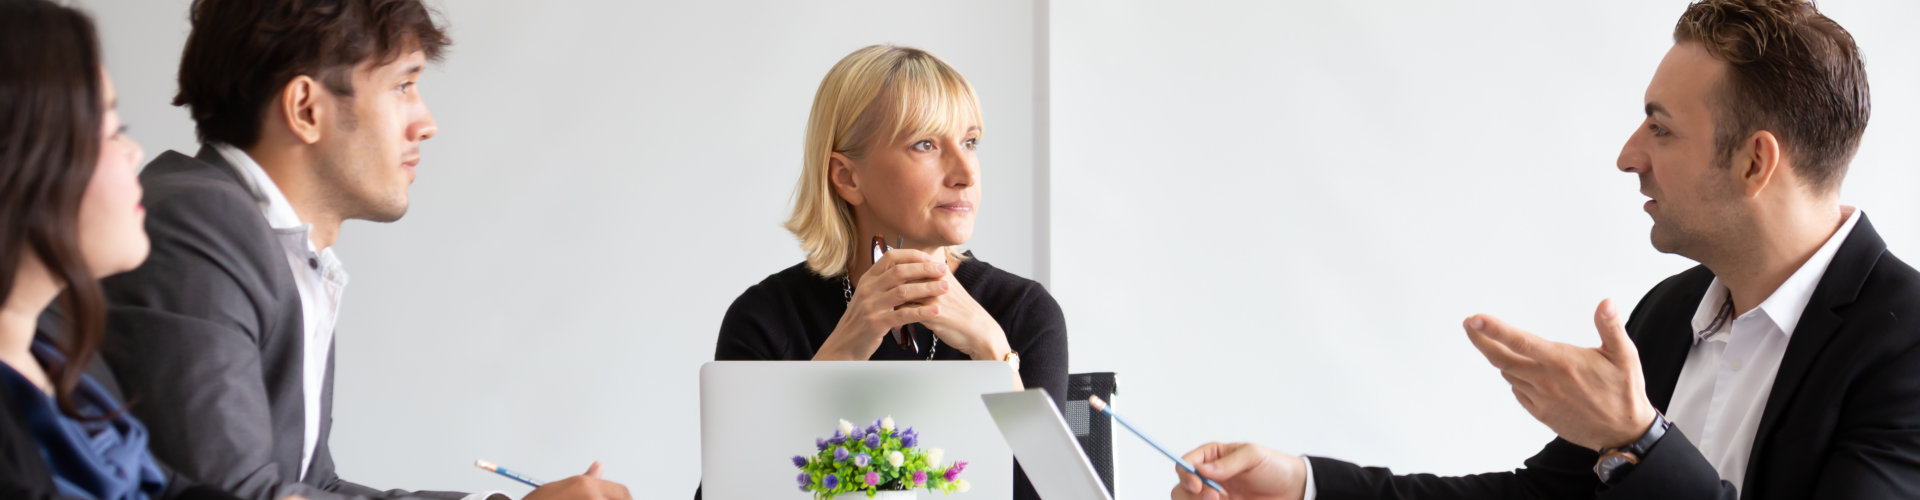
[875, 95]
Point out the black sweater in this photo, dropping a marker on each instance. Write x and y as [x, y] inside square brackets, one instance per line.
[788, 315]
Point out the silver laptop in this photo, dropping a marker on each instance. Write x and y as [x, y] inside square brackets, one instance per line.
[1048, 452]
[756, 415]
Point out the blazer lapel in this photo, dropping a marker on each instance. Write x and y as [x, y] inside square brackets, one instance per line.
[1838, 288]
[1666, 335]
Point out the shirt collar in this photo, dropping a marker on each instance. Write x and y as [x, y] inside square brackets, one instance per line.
[1789, 301]
[273, 203]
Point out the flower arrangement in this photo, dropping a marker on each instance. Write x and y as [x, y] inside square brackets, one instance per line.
[875, 458]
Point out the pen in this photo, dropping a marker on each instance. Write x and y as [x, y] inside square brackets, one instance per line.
[1102, 406]
[490, 467]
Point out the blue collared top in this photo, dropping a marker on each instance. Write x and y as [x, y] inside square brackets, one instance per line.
[93, 458]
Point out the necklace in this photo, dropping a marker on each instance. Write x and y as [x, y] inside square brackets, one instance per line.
[846, 289]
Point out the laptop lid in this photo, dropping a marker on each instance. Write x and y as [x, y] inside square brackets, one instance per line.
[1045, 446]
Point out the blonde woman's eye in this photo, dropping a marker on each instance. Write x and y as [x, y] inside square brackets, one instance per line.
[923, 146]
[973, 143]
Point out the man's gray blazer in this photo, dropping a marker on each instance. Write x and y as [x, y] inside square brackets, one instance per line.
[206, 340]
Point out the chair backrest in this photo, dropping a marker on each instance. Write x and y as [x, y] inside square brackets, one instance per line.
[1094, 430]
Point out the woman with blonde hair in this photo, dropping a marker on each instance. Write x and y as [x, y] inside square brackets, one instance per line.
[890, 154]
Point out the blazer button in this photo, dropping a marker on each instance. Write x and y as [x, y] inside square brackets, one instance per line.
[313, 263]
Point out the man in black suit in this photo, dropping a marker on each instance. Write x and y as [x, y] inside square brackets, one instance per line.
[310, 115]
[1786, 365]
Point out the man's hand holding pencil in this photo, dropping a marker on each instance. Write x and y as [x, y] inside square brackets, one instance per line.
[1247, 471]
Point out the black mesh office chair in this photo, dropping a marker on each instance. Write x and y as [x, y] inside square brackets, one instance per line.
[1095, 434]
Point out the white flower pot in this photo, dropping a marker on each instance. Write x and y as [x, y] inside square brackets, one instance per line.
[879, 495]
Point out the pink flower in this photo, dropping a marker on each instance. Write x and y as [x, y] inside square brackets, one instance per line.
[919, 478]
[873, 479]
[953, 472]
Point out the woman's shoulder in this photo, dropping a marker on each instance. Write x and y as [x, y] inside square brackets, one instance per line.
[796, 279]
[1008, 292]
[793, 287]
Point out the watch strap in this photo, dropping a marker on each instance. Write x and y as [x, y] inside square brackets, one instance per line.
[1615, 463]
[1658, 430]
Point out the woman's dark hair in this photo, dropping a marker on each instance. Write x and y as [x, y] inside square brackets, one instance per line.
[51, 107]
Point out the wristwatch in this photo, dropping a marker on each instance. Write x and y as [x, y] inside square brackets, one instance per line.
[1615, 463]
[1012, 358]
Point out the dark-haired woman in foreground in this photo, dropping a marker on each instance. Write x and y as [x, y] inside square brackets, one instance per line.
[69, 214]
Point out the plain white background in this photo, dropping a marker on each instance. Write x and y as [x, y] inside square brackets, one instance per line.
[1269, 217]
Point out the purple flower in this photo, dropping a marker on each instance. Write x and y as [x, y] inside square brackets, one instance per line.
[873, 440]
[877, 422]
[862, 460]
[873, 429]
[820, 443]
[954, 471]
[872, 479]
[799, 461]
[909, 441]
[840, 455]
[804, 481]
[830, 482]
[837, 438]
[919, 478]
[856, 435]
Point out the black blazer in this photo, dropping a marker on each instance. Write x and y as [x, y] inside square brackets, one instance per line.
[1842, 420]
[207, 337]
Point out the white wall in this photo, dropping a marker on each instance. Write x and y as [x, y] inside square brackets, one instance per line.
[1271, 217]
[607, 178]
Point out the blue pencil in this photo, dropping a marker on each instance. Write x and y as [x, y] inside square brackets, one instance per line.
[1102, 406]
[490, 467]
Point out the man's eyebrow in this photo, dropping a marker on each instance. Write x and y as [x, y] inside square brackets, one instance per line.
[413, 69]
[1654, 107]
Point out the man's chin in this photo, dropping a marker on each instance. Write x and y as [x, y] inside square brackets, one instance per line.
[1664, 241]
[387, 212]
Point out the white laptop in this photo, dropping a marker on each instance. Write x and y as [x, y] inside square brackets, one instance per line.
[756, 415]
[1048, 452]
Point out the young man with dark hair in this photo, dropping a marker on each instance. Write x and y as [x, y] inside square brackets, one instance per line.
[310, 114]
[1786, 365]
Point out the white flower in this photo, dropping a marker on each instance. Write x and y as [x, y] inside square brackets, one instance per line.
[896, 458]
[887, 423]
[846, 428]
[934, 455]
[961, 486]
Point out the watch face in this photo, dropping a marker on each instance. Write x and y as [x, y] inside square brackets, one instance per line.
[1611, 467]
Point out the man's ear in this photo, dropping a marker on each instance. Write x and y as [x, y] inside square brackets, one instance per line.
[1758, 162]
[840, 172]
[301, 103]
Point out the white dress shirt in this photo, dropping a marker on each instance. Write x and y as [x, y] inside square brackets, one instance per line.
[1723, 388]
[320, 278]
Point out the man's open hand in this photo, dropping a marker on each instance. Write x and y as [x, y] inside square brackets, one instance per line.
[1592, 397]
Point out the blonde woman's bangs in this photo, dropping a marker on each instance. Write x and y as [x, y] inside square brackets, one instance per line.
[925, 100]
[879, 94]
